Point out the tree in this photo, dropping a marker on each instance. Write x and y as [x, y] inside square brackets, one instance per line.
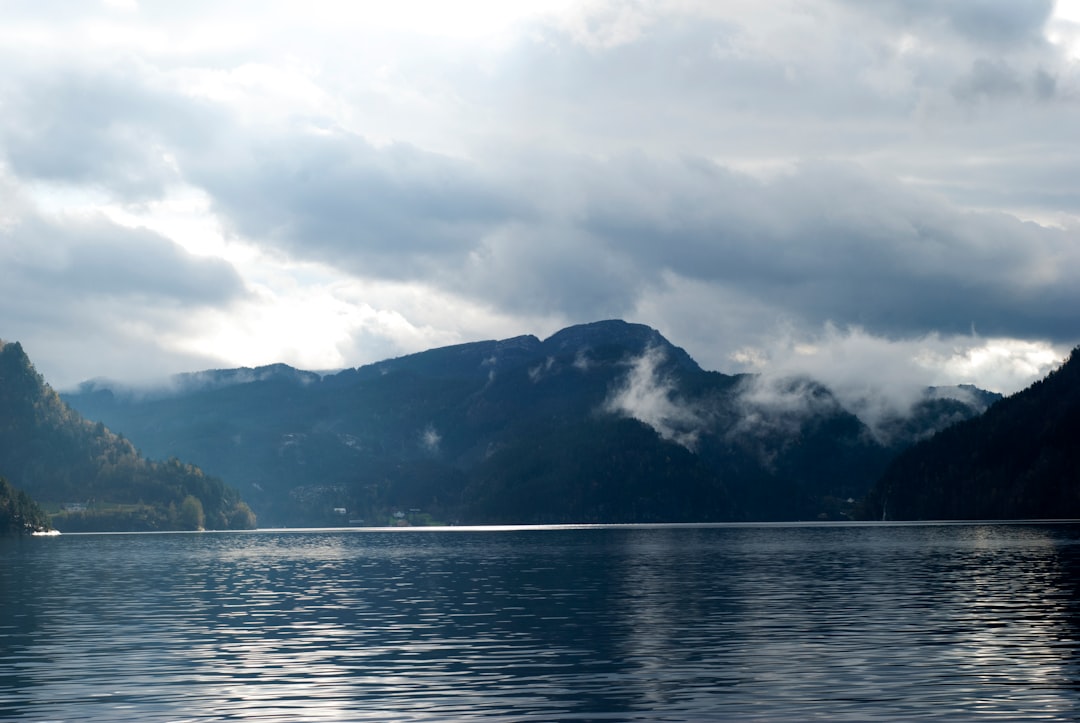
[242, 518]
[191, 514]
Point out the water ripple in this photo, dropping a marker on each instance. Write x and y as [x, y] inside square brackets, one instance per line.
[681, 623]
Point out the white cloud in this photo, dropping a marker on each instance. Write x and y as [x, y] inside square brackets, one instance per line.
[122, 5]
[648, 396]
[430, 440]
[876, 376]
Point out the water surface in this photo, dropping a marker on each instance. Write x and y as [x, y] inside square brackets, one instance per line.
[723, 622]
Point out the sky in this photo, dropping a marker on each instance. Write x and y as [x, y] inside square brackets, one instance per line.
[882, 195]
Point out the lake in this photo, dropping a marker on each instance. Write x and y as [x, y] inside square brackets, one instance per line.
[720, 622]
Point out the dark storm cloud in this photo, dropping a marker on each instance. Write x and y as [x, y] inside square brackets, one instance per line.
[551, 268]
[72, 261]
[586, 238]
[94, 257]
[833, 242]
[335, 197]
[829, 242]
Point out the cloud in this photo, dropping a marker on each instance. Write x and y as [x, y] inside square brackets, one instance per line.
[648, 396]
[720, 170]
[113, 127]
[430, 440]
[538, 372]
[995, 23]
[96, 258]
[828, 242]
[769, 408]
[335, 197]
[879, 378]
[86, 286]
[825, 242]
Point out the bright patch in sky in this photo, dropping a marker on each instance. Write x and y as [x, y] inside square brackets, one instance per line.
[1065, 30]
[469, 19]
[999, 364]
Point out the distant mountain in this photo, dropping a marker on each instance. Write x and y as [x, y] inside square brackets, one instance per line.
[1021, 459]
[602, 422]
[91, 478]
[936, 409]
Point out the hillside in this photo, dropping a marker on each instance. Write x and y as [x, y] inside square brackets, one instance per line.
[1021, 459]
[602, 422]
[18, 513]
[91, 478]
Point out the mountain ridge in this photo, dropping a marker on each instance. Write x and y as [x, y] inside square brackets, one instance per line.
[607, 421]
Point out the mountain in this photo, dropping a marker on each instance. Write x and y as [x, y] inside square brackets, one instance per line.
[938, 408]
[92, 478]
[1021, 459]
[601, 422]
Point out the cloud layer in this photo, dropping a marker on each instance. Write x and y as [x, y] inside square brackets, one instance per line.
[886, 180]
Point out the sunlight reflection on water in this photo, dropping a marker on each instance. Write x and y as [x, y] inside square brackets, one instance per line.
[672, 623]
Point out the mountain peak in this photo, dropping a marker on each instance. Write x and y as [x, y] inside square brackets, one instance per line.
[597, 335]
[13, 349]
[604, 331]
[17, 373]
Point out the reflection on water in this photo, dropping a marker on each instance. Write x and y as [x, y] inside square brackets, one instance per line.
[669, 623]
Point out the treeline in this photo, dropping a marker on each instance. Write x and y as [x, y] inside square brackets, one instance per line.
[65, 461]
[19, 513]
[188, 515]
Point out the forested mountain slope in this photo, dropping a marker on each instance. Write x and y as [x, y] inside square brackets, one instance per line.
[1021, 459]
[64, 461]
[18, 513]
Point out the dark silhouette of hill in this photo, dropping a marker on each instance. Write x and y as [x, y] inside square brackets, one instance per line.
[60, 459]
[602, 422]
[18, 513]
[1021, 459]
